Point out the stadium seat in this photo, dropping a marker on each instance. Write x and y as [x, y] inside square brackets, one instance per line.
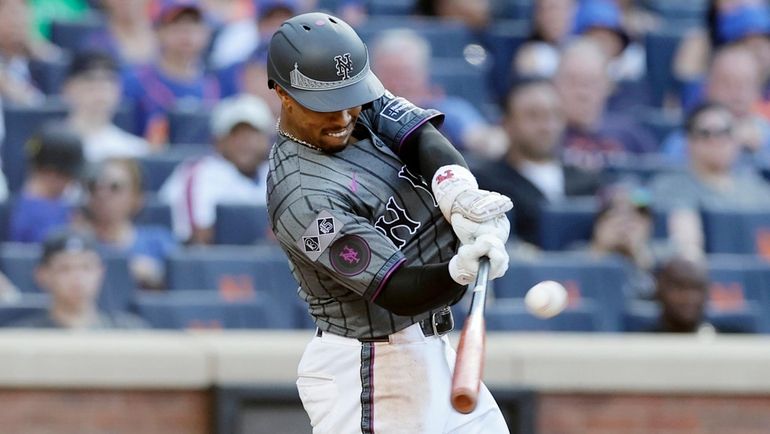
[732, 231]
[660, 47]
[684, 12]
[571, 221]
[377, 8]
[588, 280]
[156, 168]
[642, 317]
[241, 224]
[446, 38]
[18, 262]
[154, 212]
[235, 272]
[740, 283]
[189, 125]
[28, 305]
[201, 310]
[512, 315]
[502, 39]
[72, 35]
[459, 78]
[49, 75]
[20, 124]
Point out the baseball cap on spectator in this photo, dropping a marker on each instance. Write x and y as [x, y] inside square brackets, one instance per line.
[241, 109]
[266, 7]
[56, 147]
[91, 61]
[66, 241]
[743, 21]
[600, 14]
[169, 10]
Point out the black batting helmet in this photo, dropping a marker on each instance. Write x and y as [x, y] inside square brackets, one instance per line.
[322, 63]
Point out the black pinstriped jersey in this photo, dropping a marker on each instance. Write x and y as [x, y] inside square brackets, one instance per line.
[348, 220]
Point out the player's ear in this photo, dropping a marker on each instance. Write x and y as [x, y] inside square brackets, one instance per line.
[286, 100]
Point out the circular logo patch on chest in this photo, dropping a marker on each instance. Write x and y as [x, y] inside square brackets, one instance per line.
[350, 255]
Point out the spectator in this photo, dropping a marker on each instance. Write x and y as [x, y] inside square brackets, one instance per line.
[177, 78]
[552, 24]
[733, 81]
[474, 14]
[624, 228]
[741, 22]
[54, 161]
[710, 180]
[531, 173]
[17, 50]
[72, 272]
[595, 136]
[682, 292]
[601, 20]
[401, 59]
[250, 75]
[115, 197]
[235, 174]
[92, 93]
[128, 34]
[235, 36]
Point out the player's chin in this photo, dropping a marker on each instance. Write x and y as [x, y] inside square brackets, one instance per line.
[335, 143]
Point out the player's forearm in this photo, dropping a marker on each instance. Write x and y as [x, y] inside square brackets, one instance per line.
[417, 289]
[427, 150]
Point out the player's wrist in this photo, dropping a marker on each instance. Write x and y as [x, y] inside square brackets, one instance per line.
[449, 182]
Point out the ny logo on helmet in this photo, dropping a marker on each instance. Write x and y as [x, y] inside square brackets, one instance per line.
[344, 65]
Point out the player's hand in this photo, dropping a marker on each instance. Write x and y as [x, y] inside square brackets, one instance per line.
[468, 230]
[464, 266]
[457, 191]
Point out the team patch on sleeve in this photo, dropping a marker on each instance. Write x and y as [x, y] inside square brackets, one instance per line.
[350, 255]
[319, 235]
[396, 109]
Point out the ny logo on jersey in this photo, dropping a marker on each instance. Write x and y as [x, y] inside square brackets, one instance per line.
[344, 65]
[349, 255]
[401, 220]
[417, 182]
[447, 174]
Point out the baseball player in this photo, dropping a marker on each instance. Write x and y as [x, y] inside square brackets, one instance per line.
[369, 200]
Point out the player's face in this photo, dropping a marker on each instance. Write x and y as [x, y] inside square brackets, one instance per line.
[328, 131]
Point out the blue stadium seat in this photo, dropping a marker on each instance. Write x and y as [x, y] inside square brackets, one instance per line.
[28, 305]
[202, 310]
[588, 280]
[502, 39]
[18, 262]
[642, 317]
[660, 47]
[446, 38]
[154, 212]
[732, 231]
[20, 124]
[72, 35]
[459, 78]
[156, 168]
[376, 8]
[685, 12]
[189, 125]
[241, 224]
[512, 9]
[236, 271]
[49, 76]
[512, 315]
[740, 283]
[571, 221]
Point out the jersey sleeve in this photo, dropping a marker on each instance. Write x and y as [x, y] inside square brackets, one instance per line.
[394, 118]
[324, 235]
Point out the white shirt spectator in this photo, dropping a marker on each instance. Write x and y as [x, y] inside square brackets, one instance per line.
[195, 188]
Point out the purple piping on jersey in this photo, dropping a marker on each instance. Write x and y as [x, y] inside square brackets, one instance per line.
[387, 277]
[411, 130]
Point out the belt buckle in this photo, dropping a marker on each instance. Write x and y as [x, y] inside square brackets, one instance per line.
[441, 317]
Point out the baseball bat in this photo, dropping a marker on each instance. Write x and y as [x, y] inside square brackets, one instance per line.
[469, 364]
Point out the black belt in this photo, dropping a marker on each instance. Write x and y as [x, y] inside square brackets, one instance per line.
[438, 324]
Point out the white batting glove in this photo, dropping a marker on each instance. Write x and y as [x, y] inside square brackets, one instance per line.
[468, 230]
[457, 191]
[464, 266]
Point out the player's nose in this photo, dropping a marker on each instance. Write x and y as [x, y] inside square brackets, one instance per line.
[342, 117]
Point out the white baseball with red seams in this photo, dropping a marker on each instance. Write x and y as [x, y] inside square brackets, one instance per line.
[546, 299]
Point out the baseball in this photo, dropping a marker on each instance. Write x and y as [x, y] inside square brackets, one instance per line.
[546, 299]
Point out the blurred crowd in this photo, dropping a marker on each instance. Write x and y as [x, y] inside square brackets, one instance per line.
[615, 126]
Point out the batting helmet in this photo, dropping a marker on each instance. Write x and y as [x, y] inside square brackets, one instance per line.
[322, 63]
